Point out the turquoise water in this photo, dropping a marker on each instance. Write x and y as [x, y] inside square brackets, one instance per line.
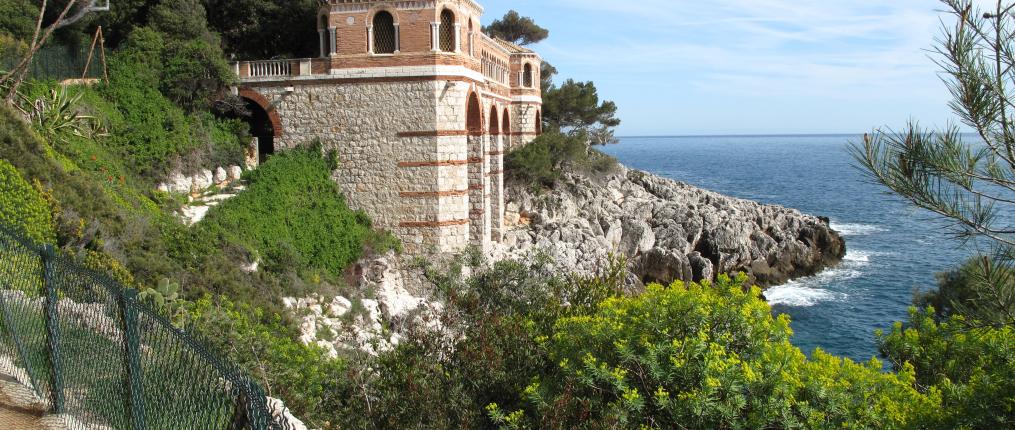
[893, 248]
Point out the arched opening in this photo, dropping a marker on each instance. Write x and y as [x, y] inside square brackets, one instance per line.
[539, 122]
[494, 121]
[507, 123]
[384, 33]
[474, 116]
[527, 76]
[472, 39]
[448, 35]
[262, 128]
[322, 30]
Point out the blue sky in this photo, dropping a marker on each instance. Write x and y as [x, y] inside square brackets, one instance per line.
[679, 67]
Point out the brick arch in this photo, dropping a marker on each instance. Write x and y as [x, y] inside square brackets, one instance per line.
[474, 115]
[382, 8]
[264, 103]
[494, 121]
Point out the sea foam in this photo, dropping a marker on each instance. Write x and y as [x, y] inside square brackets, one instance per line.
[850, 229]
[812, 290]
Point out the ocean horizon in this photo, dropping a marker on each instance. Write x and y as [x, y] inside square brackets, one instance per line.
[893, 249]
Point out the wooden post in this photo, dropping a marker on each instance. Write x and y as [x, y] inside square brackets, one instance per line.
[132, 358]
[53, 329]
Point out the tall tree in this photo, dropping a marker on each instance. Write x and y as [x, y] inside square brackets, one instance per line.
[516, 29]
[969, 184]
[260, 29]
[574, 108]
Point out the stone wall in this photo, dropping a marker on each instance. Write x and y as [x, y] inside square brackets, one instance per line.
[405, 155]
[392, 162]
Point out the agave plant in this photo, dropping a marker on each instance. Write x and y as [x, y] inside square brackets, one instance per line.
[57, 117]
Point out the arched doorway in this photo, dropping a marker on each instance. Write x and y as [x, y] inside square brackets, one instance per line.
[261, 127]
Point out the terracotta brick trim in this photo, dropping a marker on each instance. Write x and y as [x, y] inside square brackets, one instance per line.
[256, 97]
[476, 187]
[433, 133]
[445, 163]
[524, 133]
[433, 224]
[476, 160]
[425, 194]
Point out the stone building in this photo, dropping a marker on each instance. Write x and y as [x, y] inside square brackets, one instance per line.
[420, 107]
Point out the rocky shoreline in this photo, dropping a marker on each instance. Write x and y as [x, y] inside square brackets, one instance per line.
[668, 230]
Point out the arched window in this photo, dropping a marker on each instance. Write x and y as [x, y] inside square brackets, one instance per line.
[326, 36]
[494, 121]
[472, 39]
[448, 35]
[527, 76]
[385, 37]
[539, 122]
[506, 129]
[474, 116]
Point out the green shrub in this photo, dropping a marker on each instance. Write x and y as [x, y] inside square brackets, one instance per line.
[705, 356]
[310, 382]
[17, 18]
[22, 208]
[974, 368]
[294, 215]
[541, 163]
[982, 291]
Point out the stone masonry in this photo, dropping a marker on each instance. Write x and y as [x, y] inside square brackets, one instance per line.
[420, 108]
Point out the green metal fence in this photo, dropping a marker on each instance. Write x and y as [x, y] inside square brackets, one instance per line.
[93, 351]
[58, 62]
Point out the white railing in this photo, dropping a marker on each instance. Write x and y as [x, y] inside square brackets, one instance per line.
[270, 68]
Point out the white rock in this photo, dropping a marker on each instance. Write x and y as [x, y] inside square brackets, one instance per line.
[202, 181]
[234, 173]
[194, 214]
[281, 414]
[221, 176]
[340, 306]
[179, 183]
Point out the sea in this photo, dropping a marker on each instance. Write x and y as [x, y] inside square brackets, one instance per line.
[893, 249]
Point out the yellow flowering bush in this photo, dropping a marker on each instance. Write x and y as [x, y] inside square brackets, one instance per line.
[707, 356]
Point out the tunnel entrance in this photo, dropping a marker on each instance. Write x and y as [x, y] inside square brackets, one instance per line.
[261, 127]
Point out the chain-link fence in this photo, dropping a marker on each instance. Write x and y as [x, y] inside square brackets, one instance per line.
[58, 62]
[88, 347]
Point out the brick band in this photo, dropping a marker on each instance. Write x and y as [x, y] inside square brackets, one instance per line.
[425, 194]
[433, 224]
[433, 163]
[433, 133]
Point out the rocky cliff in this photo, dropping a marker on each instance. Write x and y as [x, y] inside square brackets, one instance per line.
[668, 230]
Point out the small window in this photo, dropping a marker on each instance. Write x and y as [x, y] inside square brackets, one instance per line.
[384, 33]
[527, 76]
[448, 31]
[325, 35]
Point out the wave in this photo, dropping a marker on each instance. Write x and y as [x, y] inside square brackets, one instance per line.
[797, 294]
[852, 229]
[810, 291]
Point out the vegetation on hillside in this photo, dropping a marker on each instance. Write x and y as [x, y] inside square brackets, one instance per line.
[516, 344]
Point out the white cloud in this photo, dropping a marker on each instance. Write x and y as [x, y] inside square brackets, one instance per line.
[765, 46]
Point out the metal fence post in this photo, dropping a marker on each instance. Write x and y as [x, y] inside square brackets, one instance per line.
[53, 329]
[132, 357]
